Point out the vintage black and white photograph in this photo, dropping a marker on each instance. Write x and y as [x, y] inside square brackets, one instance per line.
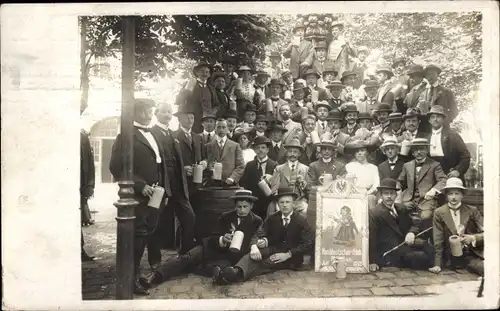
[293, 155]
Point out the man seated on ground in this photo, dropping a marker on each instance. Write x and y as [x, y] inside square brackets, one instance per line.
[456, 218]
[390, 224]
[214, 253]
[279, 244]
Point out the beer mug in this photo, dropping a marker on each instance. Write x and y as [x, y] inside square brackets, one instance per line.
[405, 147]
[217, 171]
[351, 177]
[315, 138]
[237, 241]
[325, 179]
[191, 84]
[239, 83]
[264, 186]
[340, 268]
[456, 246]
[269, 105]
[296, 41]
[304, 111]
[314, 96]
[156, 199]
[198, 173]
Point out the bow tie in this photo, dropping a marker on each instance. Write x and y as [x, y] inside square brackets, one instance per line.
[419, 164]
[262, 162]
[145, 129]
[274, 99]
[392, 163]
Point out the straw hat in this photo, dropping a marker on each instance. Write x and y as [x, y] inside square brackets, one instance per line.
[327, 143]
[395, 116]
[419, 142]
[244, 68]
[323, 103]
[389, 142]
[200, 65]
[454, 183]
[243, 194]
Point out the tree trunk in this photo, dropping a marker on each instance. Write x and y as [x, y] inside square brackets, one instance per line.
[84, 68]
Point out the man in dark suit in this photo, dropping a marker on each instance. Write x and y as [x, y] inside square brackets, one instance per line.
[418, 86]
[298, 53]
[262, 167]
[208, 133]
[392, 167]
[447, 146]
[219, 80]
[280, 243]
[351, 118]
[421, 180]
[225, 151]
[456, 218]
[149, 169]
[232, 122]
[199, 96]
[325, 165]
[385, 94]
[311, 77]
[277, 152]
[402, 83]
[214, 253]
[413, 127]
[317, 59]
[335, 88]
[389, 225]
[436, 94]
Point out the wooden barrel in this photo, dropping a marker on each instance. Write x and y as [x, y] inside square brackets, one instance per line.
[211, 203]
[474, 197]
[311, 208]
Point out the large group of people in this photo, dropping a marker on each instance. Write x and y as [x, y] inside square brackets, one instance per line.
[388, 132]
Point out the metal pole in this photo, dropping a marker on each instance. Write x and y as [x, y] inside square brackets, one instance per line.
[126, 204]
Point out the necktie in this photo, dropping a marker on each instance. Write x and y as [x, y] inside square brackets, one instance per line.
[323, 125]
[454, 210]
[393, 212]
[260, 167]
[145, 129]
[286, 221]
[208, 138]
[276, 149]
[293, 168]
[189, 138]
[221, 144]
[392, 165]
[419, 164]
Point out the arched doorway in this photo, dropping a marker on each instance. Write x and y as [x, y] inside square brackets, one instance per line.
[102, 137]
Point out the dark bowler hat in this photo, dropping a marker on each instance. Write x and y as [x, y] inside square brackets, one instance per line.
[200, 65]
[437, 109]
[329, 67]
[144, 103]
[276, 126]
[416, 70]
[285, 73]
[396, 116]
[298, 86]
[228, 59]
[231, 114]
[243, 194]
[277, 82]
[432, 67]
[350, 108]
[388, 183]
[346, 74]
[259, 140]
[261, 118]
[321, 45]
[335, 84]
[334, 115]
[386, 70]
[250, 107]
[285, 191]
[219, 74]
[397, 61]
[323, 103]
[294, 143]
[371, 84]
[275, 54]
[311, 71]
[364, 116]
[208, 115]
[383, 107]
[184, 109]
[412, 112]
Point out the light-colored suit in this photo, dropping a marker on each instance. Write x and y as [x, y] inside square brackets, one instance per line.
[294, 131]
[319, 129]
[282, 178]
[231, 158]
[297, 56]
[411, 99]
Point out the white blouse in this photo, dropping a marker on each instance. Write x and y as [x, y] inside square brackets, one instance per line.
[366, 175]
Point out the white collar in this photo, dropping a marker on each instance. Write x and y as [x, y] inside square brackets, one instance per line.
[454, 207]
[186, 130]
[438, 131]
[396, 160]
[137, 124]
[423, 161]
[293, 163]
[287, 121]
[351, 126]
[263, 160]
[327, 161]
[287, 217]
[201, 82]
[221, 139]
[205, 133]
[387, 82]
[277, 144]
[162, 126]
[436, 84]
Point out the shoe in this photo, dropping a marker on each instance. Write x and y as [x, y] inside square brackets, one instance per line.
[230, 275]
[155, 266]
[140, 290]
[86, 257]
[216, 275]
[151, 280]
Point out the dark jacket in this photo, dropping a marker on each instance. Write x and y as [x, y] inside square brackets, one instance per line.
[384, 170]
[456, 155]
[87, 167]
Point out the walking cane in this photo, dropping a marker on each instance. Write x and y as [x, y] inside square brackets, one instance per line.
[481, 288]
[395, 248]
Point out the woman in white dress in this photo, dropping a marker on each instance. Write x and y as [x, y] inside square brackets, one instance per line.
[244, 140]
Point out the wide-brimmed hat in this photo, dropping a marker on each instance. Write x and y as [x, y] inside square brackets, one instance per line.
[327, 143]
[323, 103]
[337, 24]
[388, 183]
[219, 74]
[261, 118]
[363, 49]
[320, 45]
[285, 191]
[454, 183]
[412, 112]
[334, 115]
[208, 115]
[309, 116]
[298, 86]
[229, 59]
[294, 143]
[383, 107]
[250, 107]
[396, 116]
[277, 82]
[390, 142]
[298, 26]
[311, 71]
[387, 70]
[432, 67]
[231, 114]
[329, 67]
[364, 116]
[200, 65]
[354, 145]
[415, 69]
[275, 54]
[346, 74]
[397, 61]
[437, 109]
[370, 84]
[335, 84]
[259, 140]
[243, 194]
[244, 68]
[276, 126]
[419, 142]
[144, 103]
[285, 73]
[262, 73]
[350, 108]
[184, 109]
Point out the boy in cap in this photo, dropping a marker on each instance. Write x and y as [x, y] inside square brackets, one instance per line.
[276, 132]
[291, 174]
[447, 146]
[335, 88]
[322, 110]
[298, 103]
[298, 54]
[351, 118]
[279, 244]
[456, 218]
[392, 167]
[421, 180]
[369, 103]
[262, 167]
[360, 66]
[437, 94]
[312, 77]
[390, 225]
[327, 164]
[310, 151]
[214, 254]
[208, 134]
